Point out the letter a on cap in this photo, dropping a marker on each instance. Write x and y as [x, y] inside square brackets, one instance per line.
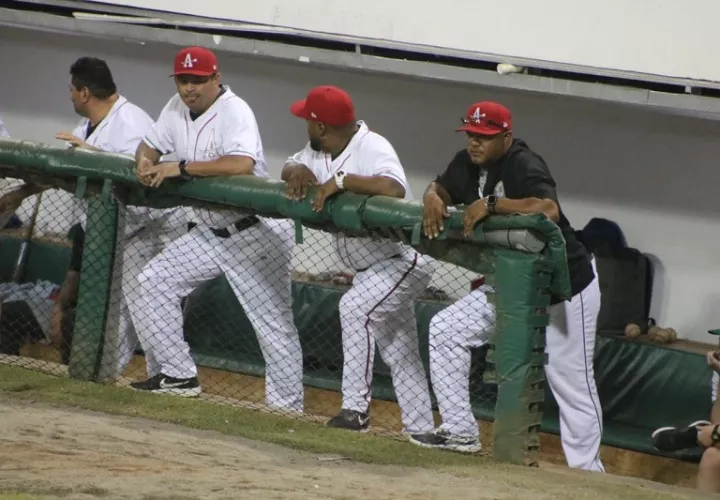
[476, 114]
[188, 62]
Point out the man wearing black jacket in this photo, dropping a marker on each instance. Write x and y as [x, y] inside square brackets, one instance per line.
[498, 174]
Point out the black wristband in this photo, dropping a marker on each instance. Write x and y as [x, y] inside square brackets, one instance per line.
[183, 172]
[715, 435]
[490, 203]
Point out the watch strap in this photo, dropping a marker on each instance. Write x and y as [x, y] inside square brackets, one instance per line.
[491, 203]
[182, 164]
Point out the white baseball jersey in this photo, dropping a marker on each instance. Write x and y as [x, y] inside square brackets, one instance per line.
[227, 128]
[121, 131]
[3, 131]
[367, 154]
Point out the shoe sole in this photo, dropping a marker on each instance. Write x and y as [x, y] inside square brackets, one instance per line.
[183, 393]
[361, 431]
[459, 448]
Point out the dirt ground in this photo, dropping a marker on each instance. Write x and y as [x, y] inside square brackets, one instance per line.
[68, 453]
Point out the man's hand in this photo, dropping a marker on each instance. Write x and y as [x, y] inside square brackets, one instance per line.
[143, 170]
[474, 214]
[156, 174]
[326, 190]
[11, 201]
[713, 361]
[434, 213]
[298, 183]
[74, 141]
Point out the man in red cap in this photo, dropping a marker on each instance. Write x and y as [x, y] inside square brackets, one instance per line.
[344, 155]
[213, 132]
[499, 174]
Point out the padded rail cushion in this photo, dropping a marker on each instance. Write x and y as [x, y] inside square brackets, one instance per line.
[642, 386]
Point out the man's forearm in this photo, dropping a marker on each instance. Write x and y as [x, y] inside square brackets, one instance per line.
[506, 206]
[69, 289]
[145, 151]
[376, 185]
[435, 188]
[224, 166]
[291, 168]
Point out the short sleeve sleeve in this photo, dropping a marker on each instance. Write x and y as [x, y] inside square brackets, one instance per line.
[450, 180]
[3, 131]
[302, 157]
[535, 180]
[387, 164]
[130, 132]
[240, 134]
[159, 137]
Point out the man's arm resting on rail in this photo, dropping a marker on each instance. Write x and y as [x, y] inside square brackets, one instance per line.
[546, 206]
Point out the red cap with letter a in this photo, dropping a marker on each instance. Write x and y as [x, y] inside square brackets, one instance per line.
[487, 118]
[195, 61]
[327, 104]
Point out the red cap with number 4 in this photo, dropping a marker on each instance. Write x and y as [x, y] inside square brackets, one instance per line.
[195, 61]
[487, 118]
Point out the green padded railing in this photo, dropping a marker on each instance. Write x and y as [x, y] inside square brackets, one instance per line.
[524, 253]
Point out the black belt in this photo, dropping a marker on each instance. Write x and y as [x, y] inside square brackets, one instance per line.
[240, 225]
[396, 256]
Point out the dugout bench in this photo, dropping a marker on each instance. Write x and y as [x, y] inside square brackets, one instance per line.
[642, 385]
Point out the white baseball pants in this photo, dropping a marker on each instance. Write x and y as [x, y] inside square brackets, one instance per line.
[120, 339]
[256, 263]
[380, 308]
[570, 345]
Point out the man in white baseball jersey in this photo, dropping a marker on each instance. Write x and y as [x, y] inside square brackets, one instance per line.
[498, 174]
[113, 124]
[214, 133]
[344, 155]
[3, 130]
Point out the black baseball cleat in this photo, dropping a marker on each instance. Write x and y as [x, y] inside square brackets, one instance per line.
[350, 420]
[673, 439]
[442, 439]
[162, 384]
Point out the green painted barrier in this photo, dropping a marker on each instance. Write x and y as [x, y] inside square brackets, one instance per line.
[526, 253]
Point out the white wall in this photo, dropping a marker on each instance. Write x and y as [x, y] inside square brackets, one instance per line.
[654, 174]
[667, 38]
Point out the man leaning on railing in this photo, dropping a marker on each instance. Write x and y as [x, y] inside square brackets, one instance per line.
[499, 174]
[214, 133]
[343, 154]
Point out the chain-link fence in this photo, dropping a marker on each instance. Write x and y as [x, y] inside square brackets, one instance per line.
[359, 331]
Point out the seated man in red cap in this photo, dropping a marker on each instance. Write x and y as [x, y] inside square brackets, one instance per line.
[344, 155]
[499, 174]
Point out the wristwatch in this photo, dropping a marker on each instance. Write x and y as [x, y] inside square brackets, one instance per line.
[339, 177]
[183, 172]
[490, 203]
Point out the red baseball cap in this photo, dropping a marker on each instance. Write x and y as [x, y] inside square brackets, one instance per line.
[326, 104]
[195, 61]
[487, 118]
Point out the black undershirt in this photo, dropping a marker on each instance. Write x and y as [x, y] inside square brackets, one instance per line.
[91, 128]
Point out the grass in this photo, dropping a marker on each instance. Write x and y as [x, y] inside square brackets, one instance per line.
[28, 385]
[246, 423]
[17, 496]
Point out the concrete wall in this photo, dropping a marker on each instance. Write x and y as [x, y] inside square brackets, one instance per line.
[654, 174]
